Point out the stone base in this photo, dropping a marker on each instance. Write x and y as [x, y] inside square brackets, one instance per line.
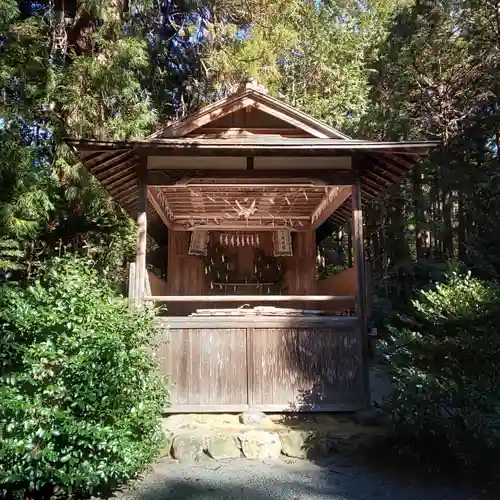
[199, 437]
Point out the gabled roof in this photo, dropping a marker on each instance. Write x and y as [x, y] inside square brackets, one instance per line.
[250, 97]
[115, 163]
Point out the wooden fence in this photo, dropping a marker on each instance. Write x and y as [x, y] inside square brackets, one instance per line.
[265, 363]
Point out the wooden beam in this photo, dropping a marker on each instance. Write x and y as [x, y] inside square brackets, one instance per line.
[163, 212]
[142, 229]
[249, 298]
[207, 115]
[213, 132]
[359, 263]
[131, 281]
[116, 160]
[260, 225]
[252, 218]
[119, 174]
[125, 193]
[285, 117]
[332, 200]
[120, 182]
[119, 191]
[320, 177]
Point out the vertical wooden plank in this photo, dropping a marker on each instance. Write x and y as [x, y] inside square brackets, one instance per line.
[309, 369]
[142, 229]
[358, 243]
[357, 226]
[196, 394]
[350, 260]
[249, 334]
[131, 280]
[206, 368]
[368, 291]
[180, 360]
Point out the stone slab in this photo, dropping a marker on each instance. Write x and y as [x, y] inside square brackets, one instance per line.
[189, 447]
[258, 445]
[200, 437]
[167, 443]
[295, 443]
[221, 446]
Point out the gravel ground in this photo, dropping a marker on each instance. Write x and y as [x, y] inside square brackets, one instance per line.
[243, 479]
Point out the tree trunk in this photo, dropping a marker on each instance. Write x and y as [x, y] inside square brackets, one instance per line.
[462, 228]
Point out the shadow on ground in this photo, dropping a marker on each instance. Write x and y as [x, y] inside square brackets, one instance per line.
[335, 479]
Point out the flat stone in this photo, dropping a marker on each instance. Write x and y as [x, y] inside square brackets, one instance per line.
[368, 416]
[167, 443]
[221, 446]
[322, 443]
[252, 417]
[189, 447]
[258, 445]
[295, 443]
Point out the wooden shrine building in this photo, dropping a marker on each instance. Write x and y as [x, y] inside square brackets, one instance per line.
[238, 191]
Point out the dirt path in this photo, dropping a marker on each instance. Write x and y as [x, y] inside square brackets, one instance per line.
[242, 479]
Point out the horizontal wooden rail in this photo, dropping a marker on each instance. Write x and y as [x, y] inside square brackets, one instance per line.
[248, 298]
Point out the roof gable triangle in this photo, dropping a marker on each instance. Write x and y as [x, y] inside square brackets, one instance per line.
[254, 99]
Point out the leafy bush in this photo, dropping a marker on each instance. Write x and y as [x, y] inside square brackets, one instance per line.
[80, 398]
[444, 357]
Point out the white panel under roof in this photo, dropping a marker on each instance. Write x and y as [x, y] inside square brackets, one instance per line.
[197, 163]
[305, 163]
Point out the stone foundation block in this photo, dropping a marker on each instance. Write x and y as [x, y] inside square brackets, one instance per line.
[258, 445]
[252, 417]
[221, 446]
[368, 416]
[295, 443]
[189, 447]
[167, 443]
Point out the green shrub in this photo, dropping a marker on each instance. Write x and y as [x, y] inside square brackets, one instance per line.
[444, 358]
[80, 398]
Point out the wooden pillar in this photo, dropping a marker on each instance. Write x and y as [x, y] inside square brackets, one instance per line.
[358, 247]
[300, 269]
[359, 258]
[142, 231]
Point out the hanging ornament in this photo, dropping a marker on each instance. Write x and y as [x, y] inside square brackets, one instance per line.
[221, 239]
[257, 240]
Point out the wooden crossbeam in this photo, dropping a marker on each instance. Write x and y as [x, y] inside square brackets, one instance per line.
[320, 177]
[332, 201]
[249, 298]
[161, 210]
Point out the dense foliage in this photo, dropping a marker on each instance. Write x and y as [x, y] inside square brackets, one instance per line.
[80, 398]
[443, 357]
